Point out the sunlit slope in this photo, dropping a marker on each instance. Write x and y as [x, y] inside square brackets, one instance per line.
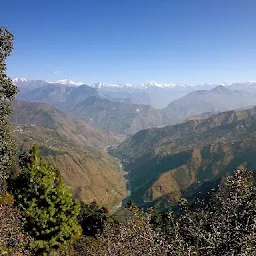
[75, 148]
[168, 162]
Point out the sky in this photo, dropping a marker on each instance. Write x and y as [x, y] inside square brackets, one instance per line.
[132, 41]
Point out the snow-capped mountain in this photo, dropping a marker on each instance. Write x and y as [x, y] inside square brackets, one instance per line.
[101, 85]
[150, 84]
[152, 93]
[164, 85]
[155, 84]
[18, 80]
[67, 82]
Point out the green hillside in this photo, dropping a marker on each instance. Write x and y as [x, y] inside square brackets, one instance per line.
[168, 162]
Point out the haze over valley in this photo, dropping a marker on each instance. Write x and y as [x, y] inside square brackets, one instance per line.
[126, 109]
[128, 128]
[198, 137]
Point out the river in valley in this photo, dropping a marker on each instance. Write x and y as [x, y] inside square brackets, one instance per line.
[126, 176]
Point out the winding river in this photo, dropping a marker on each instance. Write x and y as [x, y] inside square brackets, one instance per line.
[126, 176]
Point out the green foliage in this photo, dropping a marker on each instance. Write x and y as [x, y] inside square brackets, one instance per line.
[92, 218]
[7, 93]
[48, 206]
[221, 224]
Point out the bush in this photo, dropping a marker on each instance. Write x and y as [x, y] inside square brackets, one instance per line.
[222, 224]
[92, 218]
[12, 238]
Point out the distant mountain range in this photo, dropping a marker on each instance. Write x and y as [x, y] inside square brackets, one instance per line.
[121, 118]
[167, 163]
[150, 93]
[150, 84]
[243, 86]
[84, 103]
[216, 100]
[75, 148]
[167, 157]
[126, 110]
[53, 94]
[99, 85]
[24, 82]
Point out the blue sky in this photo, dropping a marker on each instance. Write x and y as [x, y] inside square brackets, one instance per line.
[121, 41]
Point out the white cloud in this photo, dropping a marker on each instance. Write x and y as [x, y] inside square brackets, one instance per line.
[57, 72]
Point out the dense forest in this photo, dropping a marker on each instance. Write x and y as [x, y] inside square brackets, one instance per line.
[40, 216]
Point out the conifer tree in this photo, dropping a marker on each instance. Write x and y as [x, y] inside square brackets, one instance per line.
[48, 206]
[7, 93]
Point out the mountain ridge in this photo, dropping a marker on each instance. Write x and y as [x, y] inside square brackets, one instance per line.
[165, 163]
[146, 84]
[75, 148]
[126, 112]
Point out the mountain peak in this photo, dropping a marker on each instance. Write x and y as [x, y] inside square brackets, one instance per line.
[221, 89]
[146, 85]
[159, 85]
[17, 80]
[100, 85]
[97, 85]
[151, 84]
[67, 82]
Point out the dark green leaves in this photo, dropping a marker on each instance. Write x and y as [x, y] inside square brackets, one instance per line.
[7, 94]
[48, 206]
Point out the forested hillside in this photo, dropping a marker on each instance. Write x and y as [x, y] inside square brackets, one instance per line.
[167, 163]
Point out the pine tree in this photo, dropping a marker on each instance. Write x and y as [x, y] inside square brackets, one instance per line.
[7, 93]
[48, 206]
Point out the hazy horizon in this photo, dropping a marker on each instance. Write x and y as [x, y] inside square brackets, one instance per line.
[67, 80]
[187, 42]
